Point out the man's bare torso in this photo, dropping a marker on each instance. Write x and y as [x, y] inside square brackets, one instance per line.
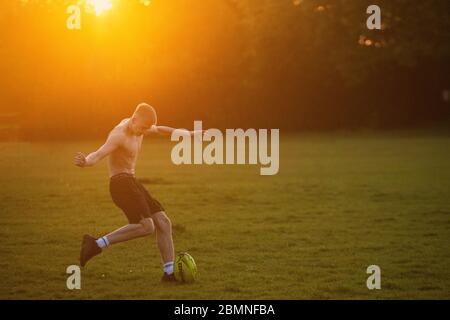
[123, 159]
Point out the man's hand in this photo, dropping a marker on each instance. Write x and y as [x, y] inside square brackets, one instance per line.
[80, 160]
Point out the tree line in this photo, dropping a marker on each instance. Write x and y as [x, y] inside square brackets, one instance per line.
[293, 65]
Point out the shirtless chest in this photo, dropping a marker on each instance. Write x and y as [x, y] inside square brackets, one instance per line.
[123, 159]
[130, 148]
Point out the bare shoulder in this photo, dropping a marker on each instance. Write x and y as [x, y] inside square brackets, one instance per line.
[122, 124]
[118, 133]
[124, 121]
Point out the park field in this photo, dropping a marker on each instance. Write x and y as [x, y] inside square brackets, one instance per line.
[340, 203]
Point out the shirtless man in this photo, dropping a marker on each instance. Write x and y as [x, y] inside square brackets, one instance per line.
[144, 213]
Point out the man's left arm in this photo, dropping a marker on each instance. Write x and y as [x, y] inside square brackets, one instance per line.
[164, 130]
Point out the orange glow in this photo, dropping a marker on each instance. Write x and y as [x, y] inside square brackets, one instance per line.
[146, 2]
[99, 6]
[124, 51]
[368, 42]
[320, 8]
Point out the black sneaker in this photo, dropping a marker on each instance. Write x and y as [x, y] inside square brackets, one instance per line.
[89, 249]
[168, 277]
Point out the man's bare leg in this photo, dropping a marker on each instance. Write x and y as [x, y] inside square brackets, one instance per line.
[164, 236]
[131, 231]
[92, 247]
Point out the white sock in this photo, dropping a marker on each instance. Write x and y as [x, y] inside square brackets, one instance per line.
[102, 242]
[168, 267]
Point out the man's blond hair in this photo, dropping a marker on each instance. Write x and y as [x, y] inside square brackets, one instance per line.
[145, 110]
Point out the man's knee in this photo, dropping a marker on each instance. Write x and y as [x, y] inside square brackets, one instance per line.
[147, 226]
[162, 222]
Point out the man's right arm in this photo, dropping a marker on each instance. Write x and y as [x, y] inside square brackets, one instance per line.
[91, 159]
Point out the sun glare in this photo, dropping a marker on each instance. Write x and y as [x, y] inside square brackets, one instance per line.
[100, 6]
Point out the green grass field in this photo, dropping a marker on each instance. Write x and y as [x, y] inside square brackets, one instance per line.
[340, 203]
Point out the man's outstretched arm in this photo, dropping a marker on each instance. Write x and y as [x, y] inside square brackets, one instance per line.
[110, 145]
[164, 130]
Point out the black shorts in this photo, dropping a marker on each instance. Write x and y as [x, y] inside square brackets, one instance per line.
[131, 196]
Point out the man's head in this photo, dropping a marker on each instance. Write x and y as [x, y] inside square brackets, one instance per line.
[143, 118]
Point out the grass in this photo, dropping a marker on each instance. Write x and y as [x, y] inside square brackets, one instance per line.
[340, 203]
